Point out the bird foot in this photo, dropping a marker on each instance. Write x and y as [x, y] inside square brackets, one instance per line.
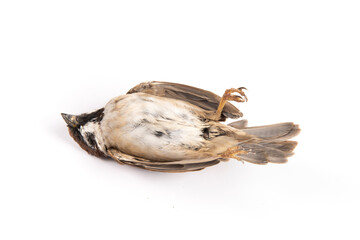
[230, 95]
[233, 152]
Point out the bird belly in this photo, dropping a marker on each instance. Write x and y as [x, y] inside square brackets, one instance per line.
[154, 128]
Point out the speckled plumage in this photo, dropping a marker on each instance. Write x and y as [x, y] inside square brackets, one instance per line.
[175, 128]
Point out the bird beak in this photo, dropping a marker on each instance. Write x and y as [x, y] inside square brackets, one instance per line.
[70, 120]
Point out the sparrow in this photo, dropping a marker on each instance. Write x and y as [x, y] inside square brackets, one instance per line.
[171, 127]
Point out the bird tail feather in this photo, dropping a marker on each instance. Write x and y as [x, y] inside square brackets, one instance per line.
[270, 143]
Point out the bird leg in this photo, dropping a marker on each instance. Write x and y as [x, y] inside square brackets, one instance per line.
[229, 96]
[233, 152]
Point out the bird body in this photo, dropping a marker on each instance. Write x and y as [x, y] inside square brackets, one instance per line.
[159, 128]
[175, 128]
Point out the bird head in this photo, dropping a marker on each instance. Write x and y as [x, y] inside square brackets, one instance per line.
[85, 130]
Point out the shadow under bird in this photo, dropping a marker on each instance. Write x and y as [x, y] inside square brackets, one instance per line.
[170, 127]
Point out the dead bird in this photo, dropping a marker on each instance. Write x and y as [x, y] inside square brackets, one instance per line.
[170, 127]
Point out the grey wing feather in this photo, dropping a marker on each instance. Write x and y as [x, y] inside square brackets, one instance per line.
[196, 96]
[271, 142]
[239, 124]
[175, 166]
[274, 132]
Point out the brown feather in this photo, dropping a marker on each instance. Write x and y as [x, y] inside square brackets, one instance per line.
[204, 99]
[161, 166]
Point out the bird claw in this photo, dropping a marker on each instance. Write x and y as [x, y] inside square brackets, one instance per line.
[230, 96]
[233, 152]
[237, 98]
[241, 92]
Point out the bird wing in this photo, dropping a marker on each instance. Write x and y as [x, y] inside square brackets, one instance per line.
[196, 96]
[174, 166]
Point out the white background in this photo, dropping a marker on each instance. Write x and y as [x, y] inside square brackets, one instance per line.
[299, 60]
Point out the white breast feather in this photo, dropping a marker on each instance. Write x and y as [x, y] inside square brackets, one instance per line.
[131, 124]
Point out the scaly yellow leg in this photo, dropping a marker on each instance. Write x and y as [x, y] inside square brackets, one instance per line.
[229, 96]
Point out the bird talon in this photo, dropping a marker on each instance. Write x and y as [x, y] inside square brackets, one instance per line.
[241, 92]
[230, 96]
[233, 152]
